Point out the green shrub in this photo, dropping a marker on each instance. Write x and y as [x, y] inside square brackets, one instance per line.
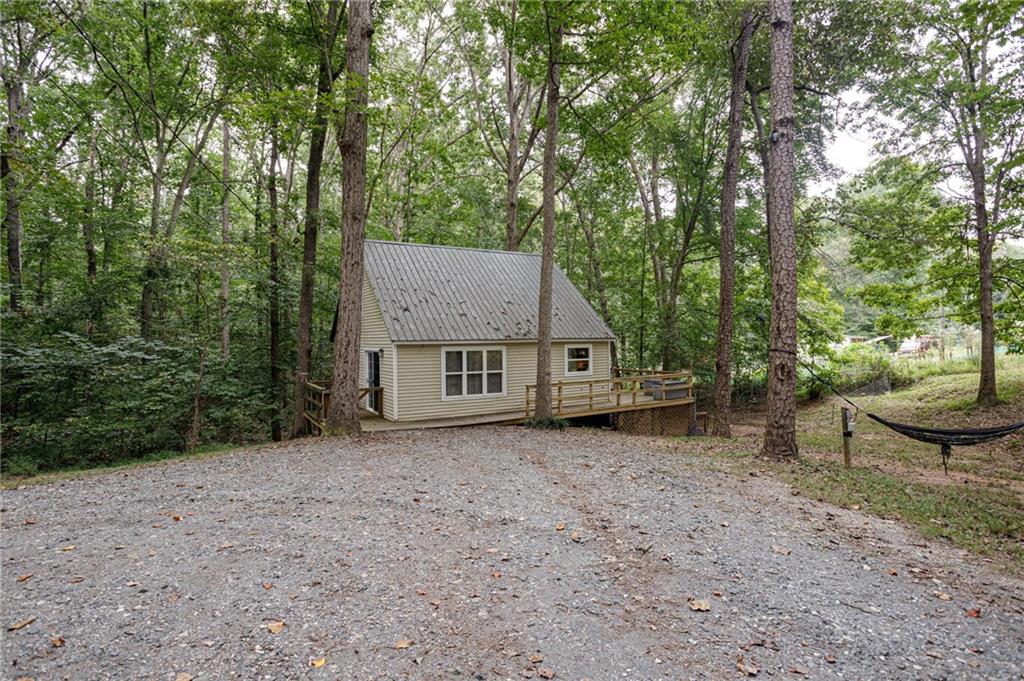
[69, 403]
[553, 423]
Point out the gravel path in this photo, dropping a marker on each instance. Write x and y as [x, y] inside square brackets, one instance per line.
[481, 553]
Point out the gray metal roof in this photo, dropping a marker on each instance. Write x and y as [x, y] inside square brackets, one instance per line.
[443, 293]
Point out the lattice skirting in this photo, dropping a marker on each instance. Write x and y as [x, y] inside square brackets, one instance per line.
[659, 421]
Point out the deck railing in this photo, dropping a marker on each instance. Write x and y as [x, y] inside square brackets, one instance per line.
[317, 402]
[638, 390]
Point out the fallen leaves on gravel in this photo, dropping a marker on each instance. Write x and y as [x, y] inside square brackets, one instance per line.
[781, 550]
[275, 627]
[748, 668]
[267, 586]
[973, 612]
[404, 643]
[70, 547]
[797, 669]
[536, 658]
[183, 676]
[576, 536]
[560, 527]
[698, 605]
[830, 658]
[25, 577]
[545, 673]
[21, 624]
[943, 596]
[318, 662]
[56, 641]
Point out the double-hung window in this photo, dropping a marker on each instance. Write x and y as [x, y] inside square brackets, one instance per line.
[474, 372]
[577, 360]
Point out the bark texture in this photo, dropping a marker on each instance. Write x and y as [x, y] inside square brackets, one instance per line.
[727, 236]
[977, 72]
[274, 292]
[225, 240]
[780, 431]
[13, 85]
[311, 221]
[543, 406]
[343, 416]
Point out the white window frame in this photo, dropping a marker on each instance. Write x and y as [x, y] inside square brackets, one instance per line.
[590, 360]
[445, 397]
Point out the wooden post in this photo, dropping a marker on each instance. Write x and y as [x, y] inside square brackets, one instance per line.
[847, 436]
[559, 397]
[527, 402]
[590, 388]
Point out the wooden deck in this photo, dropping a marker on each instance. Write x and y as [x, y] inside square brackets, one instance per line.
[628, 391]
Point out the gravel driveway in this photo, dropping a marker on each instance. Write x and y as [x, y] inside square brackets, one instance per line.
[481, 553]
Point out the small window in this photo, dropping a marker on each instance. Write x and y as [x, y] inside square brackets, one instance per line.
[474, 372]
[577, 360]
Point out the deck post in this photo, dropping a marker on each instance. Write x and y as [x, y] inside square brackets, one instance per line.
[559, 409]
[590, 387]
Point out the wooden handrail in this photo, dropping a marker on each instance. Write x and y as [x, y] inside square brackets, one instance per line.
[584, 392]
[626, 379]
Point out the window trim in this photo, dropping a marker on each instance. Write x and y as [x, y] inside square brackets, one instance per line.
[468, 348]
[590, 359]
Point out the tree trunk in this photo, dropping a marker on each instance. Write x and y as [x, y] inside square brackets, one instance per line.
[543, 403]
[274, 293]
[225, 240]
[727, 237]
[780, 431]
[986, 241]
[987, 382]
[311, 223]
[343, 417]
[12, 196]
[512, 189]
[762, 153]
[88, 229]
[597, 276]
[153, 264]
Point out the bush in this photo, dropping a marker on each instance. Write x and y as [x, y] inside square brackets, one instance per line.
[70, 403]
[554, 423]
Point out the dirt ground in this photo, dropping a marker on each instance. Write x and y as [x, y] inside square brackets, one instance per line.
[481, 553]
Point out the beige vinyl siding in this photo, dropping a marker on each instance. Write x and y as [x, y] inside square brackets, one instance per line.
[374, 336]
[420, 378]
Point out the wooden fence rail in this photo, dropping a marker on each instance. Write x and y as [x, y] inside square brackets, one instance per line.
[639, 390]
[317, 402]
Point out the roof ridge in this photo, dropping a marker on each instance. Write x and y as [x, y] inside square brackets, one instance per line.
[451, 248]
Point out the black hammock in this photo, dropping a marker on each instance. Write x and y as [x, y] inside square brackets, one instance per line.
[947, 438]
[944, 437]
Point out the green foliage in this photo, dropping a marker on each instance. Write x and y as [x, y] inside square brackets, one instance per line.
[71, 403]
[553, 423]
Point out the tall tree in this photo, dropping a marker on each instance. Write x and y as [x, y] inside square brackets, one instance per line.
[957, 89]
[325, 31]
[554, 29]
[343, 417]
[25, 33]
[727, 236]
[225, 240]
[274, 287]
[780, 432]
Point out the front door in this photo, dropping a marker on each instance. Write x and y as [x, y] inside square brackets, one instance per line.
[373, 399]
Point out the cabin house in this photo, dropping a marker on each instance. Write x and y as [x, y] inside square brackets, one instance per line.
[449, 336]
